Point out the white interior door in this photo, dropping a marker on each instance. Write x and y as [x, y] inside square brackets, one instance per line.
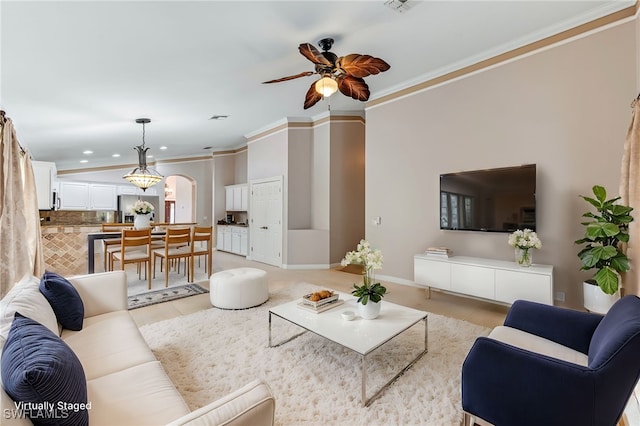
[265, 228]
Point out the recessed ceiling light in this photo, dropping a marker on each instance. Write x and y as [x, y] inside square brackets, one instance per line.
[84, 161]
[219, 117]
[163, 147]
[149, 156]
[87, 152]
[116, 155]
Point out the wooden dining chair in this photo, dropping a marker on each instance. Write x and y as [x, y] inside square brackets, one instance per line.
[110, 246]
[135, 248]
[176, 247]
[201, 245]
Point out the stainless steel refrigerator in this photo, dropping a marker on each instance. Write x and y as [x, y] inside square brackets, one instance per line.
[126, 202]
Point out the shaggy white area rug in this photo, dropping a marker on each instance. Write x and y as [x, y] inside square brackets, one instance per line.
[210, 353]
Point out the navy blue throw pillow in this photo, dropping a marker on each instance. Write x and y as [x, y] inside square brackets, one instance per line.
[64, 300]
[43, 375]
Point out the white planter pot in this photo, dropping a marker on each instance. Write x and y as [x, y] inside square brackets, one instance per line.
[595, 300]
[369, 311]
[142, 221]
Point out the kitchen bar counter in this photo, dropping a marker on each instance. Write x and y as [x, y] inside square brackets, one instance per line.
[63, 247]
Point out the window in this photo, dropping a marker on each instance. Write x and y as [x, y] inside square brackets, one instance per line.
[456, 211]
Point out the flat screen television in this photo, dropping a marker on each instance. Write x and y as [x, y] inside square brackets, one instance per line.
[493, 200]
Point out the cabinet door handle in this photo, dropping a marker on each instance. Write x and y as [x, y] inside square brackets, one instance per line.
[264, 227]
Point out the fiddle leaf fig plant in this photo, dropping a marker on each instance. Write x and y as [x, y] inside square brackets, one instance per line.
[607, 228]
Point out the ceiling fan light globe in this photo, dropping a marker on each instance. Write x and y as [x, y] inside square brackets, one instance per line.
[326, 86]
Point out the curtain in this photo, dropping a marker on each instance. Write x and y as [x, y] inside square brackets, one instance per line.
[20, 244]
[630, 195]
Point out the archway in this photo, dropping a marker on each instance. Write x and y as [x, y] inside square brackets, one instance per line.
[180, 199]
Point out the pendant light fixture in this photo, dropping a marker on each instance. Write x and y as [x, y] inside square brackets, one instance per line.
[142, 176]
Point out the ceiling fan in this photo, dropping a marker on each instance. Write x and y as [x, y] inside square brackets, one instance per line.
[344, 73]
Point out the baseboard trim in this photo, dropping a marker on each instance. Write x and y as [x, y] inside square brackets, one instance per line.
[311, 266]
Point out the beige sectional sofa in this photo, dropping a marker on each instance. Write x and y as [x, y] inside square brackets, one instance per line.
[126, 384]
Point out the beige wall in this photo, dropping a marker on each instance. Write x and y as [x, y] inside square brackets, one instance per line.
[565, 108]
[347, 182]
[320, 177]
[299, 174]
[322, 165]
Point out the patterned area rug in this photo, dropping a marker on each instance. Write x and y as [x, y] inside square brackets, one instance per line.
[164, 295]
[315, 382]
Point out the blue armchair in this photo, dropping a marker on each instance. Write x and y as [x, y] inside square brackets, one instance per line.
[553, 366]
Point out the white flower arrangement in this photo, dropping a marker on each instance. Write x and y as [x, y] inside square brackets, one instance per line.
[525, 239]
[142, 207]
[370, 259]
[364, 255]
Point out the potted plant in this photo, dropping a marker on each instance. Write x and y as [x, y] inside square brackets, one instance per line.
[607, 228]
[370, 293]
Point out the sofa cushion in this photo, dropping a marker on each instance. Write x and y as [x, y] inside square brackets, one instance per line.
[618, 326]
[108, 343]
[64, 299]
[140, 395]
[38, 367]
[537, 344]
[25, 297]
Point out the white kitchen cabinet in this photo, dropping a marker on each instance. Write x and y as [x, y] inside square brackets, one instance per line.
[127, 190]
[496, 280]
[227, 237]
[88, 196]
[244, 242]
[74, 195]
[103, 197]
[220, 238]
[239, 240]
[237, 197]
[234, 239]
[229, 198]
[45, 174]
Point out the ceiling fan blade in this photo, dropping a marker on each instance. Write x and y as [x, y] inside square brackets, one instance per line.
[312, 97]
[291, 77]
[314, 55]
[354, 87]
[361, 65]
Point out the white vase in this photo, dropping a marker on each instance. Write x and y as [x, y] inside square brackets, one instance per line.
[369, 311]
[142, 221]
[596, 300]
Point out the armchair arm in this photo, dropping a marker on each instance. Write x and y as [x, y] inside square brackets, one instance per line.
[253, 404]
[101, 293]
[506, 385]
[564, 326]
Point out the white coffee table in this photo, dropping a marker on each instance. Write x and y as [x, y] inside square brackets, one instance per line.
[360, 336]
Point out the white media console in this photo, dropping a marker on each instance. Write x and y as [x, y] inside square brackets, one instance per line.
[495, 280]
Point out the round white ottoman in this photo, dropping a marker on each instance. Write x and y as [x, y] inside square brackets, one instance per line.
[238, 288]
